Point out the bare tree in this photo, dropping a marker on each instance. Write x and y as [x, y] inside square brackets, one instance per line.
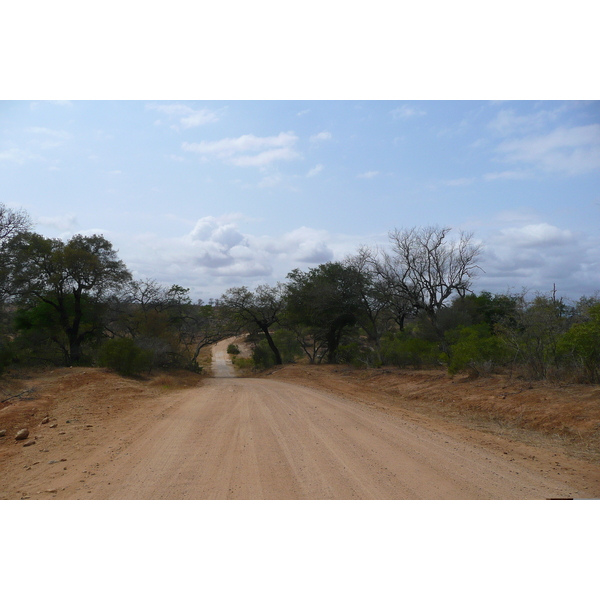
[425, 267]
[12, 224]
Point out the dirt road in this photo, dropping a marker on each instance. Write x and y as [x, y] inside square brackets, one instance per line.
[242, 438]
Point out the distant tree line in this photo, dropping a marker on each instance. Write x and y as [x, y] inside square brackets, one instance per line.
[76, 303]
[411, 305]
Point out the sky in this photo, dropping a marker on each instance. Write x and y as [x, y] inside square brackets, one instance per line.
[215, 194]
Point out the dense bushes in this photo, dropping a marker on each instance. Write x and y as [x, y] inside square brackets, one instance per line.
[125, 357]
[404, 350]
[474, 348]
[582, 344]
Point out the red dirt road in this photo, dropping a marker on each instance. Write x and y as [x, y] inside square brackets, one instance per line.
[241, 438]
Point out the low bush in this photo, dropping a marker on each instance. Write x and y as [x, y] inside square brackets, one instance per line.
[582, 344]
[474, 348]
[243, 363]
[357, 355]
[404, 350]
[233, 349]
[262, 356]
[123, 356]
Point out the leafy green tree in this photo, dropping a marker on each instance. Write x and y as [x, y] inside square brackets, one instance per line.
[582, 340]
[324, 301]
[70, 278]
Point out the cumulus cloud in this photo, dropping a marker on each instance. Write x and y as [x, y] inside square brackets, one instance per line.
[539, 234]
[315, 170]
[62, 223]
[303, 245]
[265, 158]
[537, 256]
[506, 175]
[323, 136]
[507, 122]
[269, 181]
[187, 116]
[18, 156]
[217, 254]
[570, 151]
[62, 135]
[460, 182]
[368, 175]
[248, 150]
[406, 112]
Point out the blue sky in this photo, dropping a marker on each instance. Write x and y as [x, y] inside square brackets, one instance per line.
[212, 194]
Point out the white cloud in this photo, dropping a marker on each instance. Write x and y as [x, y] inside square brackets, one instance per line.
[304, 245]
[199, 117]
[460, 182]
[217, 254]
[269, 181]
[571, 151]
[18, 156]
[406, 112]
[264, 158]
[63, 135]
[540, 234]
[368, 175]
[188, 117]
[507, 175]
[507, 122]
[303, 112]
[323, 136]
[237, 150]
[62, 223]
[536, 257]
[315, 170]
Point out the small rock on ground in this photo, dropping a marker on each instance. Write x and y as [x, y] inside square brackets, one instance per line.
[22, 434]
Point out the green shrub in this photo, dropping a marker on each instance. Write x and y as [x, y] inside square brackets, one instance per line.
[582, 341]
[233, 349]
[243, 363]
[123, 356]
[262, 355]
[357, 355]
[7, 355]
[474, 347]
[403, 350]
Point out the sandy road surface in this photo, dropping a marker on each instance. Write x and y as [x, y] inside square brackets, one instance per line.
[238, 438]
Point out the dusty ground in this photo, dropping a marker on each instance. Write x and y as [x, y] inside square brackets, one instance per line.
[297, 432]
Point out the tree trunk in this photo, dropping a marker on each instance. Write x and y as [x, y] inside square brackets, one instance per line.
[274, 349]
